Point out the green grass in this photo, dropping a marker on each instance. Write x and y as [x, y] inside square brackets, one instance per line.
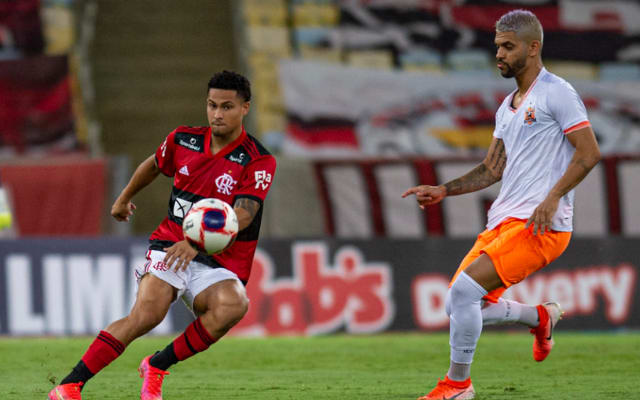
[390, 366]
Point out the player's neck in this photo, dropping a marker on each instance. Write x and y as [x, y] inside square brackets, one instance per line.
[219, 142]
[527, 77]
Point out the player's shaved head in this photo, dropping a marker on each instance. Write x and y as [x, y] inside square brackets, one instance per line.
[524, 23]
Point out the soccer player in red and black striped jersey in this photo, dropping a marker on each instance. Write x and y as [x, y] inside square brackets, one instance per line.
[221, 161]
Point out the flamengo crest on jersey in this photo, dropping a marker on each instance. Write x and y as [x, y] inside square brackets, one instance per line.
[225, 183]
[244, 168]
[538, 153]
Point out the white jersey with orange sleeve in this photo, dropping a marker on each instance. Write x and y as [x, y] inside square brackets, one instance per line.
[538, 152]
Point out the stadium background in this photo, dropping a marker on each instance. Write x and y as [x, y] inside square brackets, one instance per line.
[357, 99]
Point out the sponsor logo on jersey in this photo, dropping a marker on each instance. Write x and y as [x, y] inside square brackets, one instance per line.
[184, 170]
[181, 207]
[225, 183]
[263, 179]
[238, 159]
[530, 116]
[191, 144]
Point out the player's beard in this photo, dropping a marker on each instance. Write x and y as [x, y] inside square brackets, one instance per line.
[221, 131]
[518, 66]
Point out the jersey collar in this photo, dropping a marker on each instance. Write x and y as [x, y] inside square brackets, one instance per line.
[514, 110]
[226, 149]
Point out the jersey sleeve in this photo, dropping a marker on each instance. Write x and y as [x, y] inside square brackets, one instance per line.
[497, 131]
[165, 155]
[257, 178]
[567, 108]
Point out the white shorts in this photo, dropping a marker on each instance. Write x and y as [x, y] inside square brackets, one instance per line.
[190, 282]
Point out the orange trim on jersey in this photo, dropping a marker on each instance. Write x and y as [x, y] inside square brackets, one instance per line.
[515, 110]
[576, 127]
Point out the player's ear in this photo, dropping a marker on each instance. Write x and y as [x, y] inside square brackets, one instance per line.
[535, 47]
[245, 107]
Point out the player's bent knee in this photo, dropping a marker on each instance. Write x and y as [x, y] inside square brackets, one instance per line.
[456, 294]
[235, 307]
[227, 312]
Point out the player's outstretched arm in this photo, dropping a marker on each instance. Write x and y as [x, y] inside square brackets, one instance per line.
[482, 176]
[586, 156]
[146, 172]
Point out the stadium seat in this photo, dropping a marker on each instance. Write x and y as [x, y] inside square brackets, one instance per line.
[619, 72]
[469, 61]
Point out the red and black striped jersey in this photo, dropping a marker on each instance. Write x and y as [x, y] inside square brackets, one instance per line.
[244, 168]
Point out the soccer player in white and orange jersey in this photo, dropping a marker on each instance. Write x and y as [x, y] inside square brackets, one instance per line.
[542, 147]
[221, 161]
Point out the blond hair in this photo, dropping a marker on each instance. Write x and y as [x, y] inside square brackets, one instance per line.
[524, 23]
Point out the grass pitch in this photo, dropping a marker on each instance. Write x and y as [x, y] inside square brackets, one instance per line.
[385, 367]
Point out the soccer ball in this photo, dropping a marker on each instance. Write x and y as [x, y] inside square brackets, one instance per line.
[211, 225]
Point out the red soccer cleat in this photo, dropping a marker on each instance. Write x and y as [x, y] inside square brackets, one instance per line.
[152, 384]
[549, 314]
[448, 389]
[68, 391]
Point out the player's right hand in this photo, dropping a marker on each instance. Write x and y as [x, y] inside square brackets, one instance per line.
[121, 211]
[181, 253]
[426, 195]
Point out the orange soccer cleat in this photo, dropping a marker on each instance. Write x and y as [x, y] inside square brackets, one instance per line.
[68, 391]
[448, 389]
[549, 314]
[152, 384]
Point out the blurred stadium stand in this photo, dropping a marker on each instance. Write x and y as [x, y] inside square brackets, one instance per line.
[100, 82]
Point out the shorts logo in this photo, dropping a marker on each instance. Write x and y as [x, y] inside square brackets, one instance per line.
[160, 266]
[263, 179]
[225, 183]
[181, 207]
[530, 116]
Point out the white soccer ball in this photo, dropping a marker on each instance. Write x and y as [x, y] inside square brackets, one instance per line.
[211, 225]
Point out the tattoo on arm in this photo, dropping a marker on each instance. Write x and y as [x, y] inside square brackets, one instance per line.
[482, 176]
[478, 178]
[496, 159]
[251, 206]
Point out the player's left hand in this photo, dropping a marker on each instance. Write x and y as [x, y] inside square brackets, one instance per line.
[543, 215]
[181, 253]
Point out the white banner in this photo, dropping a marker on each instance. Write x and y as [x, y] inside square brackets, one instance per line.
[394, 113]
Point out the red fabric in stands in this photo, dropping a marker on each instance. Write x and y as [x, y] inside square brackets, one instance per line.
[56, 197]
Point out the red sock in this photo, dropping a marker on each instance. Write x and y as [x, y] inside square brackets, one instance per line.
[104, 349]
[194, 340]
